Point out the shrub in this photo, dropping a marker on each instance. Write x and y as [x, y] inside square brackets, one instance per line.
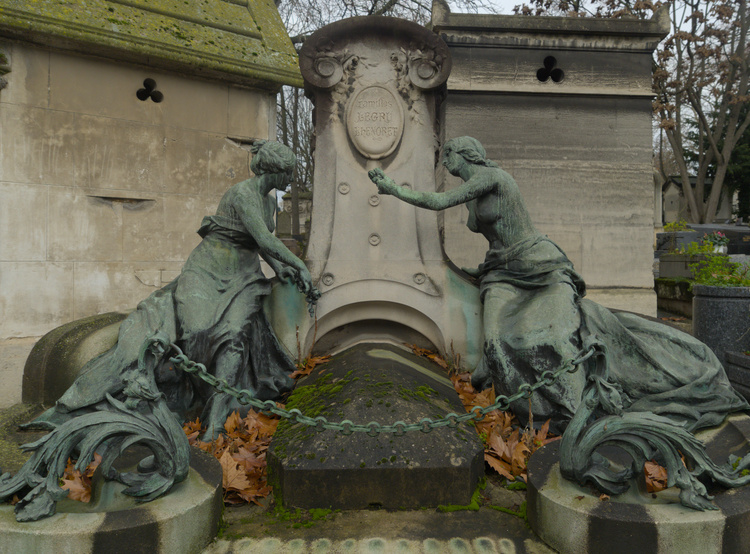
[719, 271]
[697, 249]
[673, 226]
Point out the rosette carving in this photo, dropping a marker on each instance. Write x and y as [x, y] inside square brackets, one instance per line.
[327, 69]
[422, 66]
[417, 69]
[425, 69]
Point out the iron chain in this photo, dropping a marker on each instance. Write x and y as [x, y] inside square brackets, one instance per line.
[373, 428]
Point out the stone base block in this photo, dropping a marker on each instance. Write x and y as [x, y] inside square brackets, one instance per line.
[573, 519]
[56, 360]
[185, 520]
[674, 296]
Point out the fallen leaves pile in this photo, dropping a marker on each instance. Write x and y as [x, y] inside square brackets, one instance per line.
[507, 447]
[241, 451]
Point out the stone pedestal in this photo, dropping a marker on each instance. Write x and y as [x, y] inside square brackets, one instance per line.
[574, 520]
[720, 318]
[737, 366]
[185, 520]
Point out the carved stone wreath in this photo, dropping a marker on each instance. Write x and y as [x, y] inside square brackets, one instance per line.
[416, 69]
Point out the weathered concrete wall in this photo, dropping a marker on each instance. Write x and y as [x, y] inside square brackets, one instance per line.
[579, 146]
[101, 193]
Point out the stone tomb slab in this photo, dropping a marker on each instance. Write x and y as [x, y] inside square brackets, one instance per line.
[323, 468]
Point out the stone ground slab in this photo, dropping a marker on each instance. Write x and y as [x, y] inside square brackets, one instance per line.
[378, 545]
[486, 530]
[573, 519]
[323, 468]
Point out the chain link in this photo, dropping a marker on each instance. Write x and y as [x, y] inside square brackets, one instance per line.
[373, 428]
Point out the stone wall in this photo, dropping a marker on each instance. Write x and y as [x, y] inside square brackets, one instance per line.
[101, 193]
[563, 105]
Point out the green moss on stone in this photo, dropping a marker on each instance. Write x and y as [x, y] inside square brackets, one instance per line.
[472, 506]
[423, 392]
[520, 513]
[517, 486]
[312, 399]
[255, 48]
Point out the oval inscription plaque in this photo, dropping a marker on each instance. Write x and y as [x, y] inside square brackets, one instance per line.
[375, 121]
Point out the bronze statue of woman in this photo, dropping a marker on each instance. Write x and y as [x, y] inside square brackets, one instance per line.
[213, 311]
[536, 319]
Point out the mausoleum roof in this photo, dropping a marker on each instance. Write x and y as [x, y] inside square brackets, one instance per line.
[241, 41]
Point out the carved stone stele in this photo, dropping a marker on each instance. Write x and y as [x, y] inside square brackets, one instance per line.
[376, 83]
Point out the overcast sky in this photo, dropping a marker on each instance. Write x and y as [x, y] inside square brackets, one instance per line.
[503, 6]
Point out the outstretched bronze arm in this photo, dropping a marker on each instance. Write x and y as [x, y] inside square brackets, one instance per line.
[471, 189]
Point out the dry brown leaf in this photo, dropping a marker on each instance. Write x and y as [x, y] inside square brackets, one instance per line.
[656, 476]
[438, 360]
[263, 425]
[603, 497]
[419, 351]
[91, 468]
[498, 447]
[485, 398]
[498, 465]
[234, 477]
[253, 495]
[77, 487]
[430, 355]
[233, 424]
[308, 365]
[248, 460]
[207, 447]
[192, 426]
[520, 457]
[79, 483]
[512, 440]
[541, 435]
